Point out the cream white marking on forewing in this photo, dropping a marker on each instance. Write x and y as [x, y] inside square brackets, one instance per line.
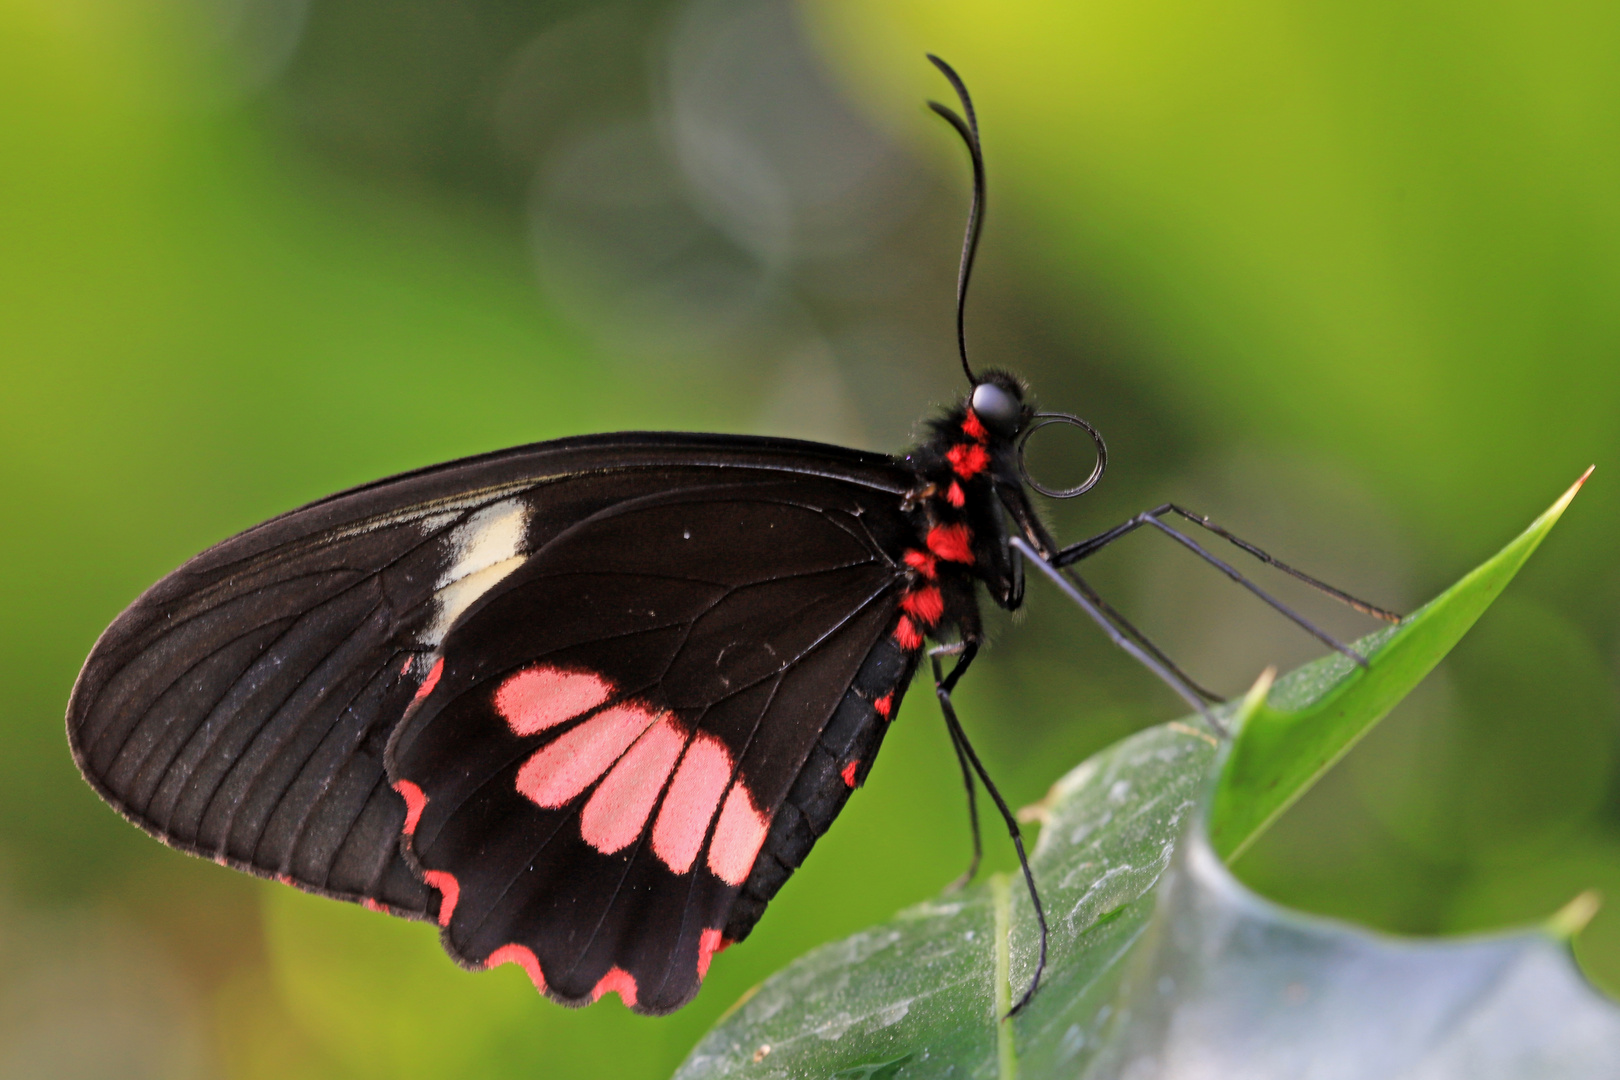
[483, 550]
[434, 522]
[430, 515]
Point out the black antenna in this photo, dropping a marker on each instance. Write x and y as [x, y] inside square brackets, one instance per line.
[969, 130]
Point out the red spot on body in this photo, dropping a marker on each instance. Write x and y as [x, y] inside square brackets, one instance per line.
[616, 981]
[523, 957]
[849, 773]
[571, 763]
[431, 681]
[973, 427]
[907, 634]
[710, 944]
[542, 697]
[449, 892]
[884, 705]
[955, 496]
[737, 837]
[922, 562]
[619, 808]
[690, 804]
[415, 803]
[405, 669]
[926, 604]
[375, 905]
[953, 543]
[968, 459]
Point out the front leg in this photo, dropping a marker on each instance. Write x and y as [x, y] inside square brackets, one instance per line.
[1083, 549]
[1075, 552]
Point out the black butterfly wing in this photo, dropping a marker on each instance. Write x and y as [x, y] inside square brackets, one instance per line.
[632, 741]
[241, 707]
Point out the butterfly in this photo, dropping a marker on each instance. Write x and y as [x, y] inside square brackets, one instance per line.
[586, 704]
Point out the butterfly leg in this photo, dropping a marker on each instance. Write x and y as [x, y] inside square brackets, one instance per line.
[1125, 626]
[1075, 552]
[1154, 518]
[943, 685]
[967, 779]
[1167, 673]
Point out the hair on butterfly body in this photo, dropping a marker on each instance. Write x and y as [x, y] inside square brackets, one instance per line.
[588, 704]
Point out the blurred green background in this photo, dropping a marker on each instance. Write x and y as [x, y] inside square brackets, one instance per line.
[1344, 276]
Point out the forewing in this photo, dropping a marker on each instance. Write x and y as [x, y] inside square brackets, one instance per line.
[619, 727]
[241, 707]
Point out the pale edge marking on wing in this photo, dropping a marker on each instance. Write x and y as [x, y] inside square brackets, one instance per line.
[484, 549]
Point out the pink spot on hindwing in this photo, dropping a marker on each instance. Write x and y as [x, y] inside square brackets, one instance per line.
[955, 495]
[431, 681]
[542, 697]
[619, 808]
[616, 981]
[689, 806]
[449, 892]
[559, 771]
[375, 905]
[884, 705]
[849, 773]
[737, 836]
[523, 957]
[415, 803]
[710, 942]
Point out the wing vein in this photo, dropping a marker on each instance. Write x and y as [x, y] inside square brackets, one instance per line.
[759, 720]
[290, 729]
[318, 797]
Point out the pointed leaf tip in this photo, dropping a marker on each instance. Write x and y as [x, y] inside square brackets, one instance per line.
[1568, 496]
[1315, 714]
[1253, 700]
[1572, 918]
[1257, 693]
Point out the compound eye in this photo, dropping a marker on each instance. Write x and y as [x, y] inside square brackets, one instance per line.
[997, 410]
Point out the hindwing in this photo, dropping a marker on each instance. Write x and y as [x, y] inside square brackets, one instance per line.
[599, 758]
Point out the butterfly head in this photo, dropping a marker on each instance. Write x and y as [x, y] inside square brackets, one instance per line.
[998, 402]
[998, 414]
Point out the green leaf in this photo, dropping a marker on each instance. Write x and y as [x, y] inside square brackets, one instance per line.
[1158, 957]
[885, 1070]
[1318, 712]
